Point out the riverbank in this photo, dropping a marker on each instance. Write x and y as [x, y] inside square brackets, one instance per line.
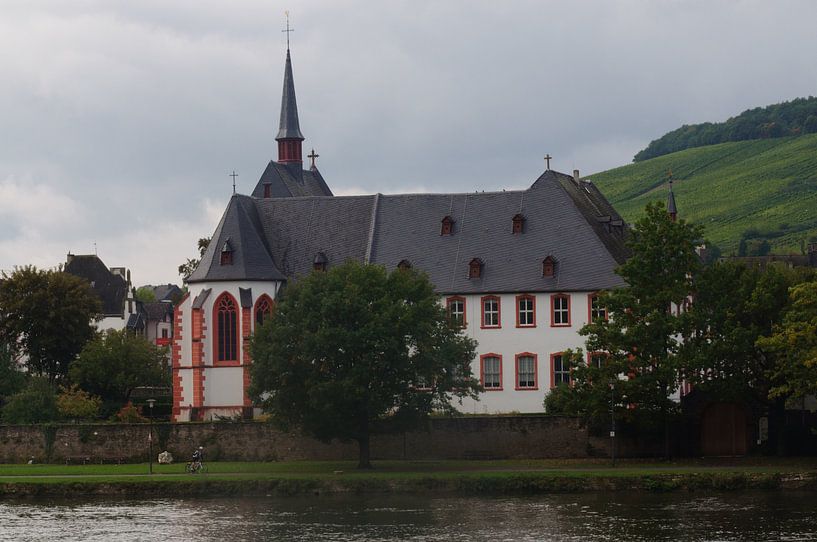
[433, 477]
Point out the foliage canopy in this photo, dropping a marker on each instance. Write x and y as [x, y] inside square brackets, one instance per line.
[354, 346]
[46, 318]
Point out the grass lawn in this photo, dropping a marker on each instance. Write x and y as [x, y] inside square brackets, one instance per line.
[398, 470]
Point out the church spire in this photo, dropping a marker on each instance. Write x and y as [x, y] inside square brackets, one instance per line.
[671, 208]
[289, 132]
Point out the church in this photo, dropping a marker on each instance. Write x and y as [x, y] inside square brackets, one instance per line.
[519, 270]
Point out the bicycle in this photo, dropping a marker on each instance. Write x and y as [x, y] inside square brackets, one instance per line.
[195, 467]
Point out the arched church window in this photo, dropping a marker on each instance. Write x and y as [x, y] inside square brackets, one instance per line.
[226, 328]
[263, 310]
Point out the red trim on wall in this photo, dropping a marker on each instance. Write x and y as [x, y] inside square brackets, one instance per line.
[482, 370]
[482, 312]
[176, 358]
[247, 400]
[520, 298]
[448, 302]
[535, 371]
[553, 310]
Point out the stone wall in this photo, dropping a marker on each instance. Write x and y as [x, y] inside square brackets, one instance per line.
[471, 437]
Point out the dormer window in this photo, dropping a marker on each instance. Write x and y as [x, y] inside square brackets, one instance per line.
[404, 265]
[267, 190]
[227, 253]
[320, 261]
[447, 227]
[518, 224]
[548, 267]
[475, 269]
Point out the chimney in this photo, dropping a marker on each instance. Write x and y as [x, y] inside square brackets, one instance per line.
[576, 178]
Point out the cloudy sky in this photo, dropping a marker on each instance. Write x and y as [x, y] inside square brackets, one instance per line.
[120, 121]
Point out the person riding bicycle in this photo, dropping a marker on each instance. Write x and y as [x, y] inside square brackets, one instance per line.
[196, 464]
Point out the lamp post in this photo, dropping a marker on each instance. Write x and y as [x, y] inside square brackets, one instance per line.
[613, 422]
[151, 402]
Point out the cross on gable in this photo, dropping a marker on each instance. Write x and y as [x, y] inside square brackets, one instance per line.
[313, 155]
[233, 175]
[548, 157]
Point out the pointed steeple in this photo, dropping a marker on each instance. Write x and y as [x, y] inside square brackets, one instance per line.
[671, 208]
[289, 131]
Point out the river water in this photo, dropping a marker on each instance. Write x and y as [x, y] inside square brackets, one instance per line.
[591, 517]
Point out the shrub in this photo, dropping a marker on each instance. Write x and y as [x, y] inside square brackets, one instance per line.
[129, 414]
[36, 403]
[76, 404]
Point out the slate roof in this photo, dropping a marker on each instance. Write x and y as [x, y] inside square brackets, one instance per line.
[112, 289]
[569, 221]
[288, 180]
[166, 292]
[158, 310]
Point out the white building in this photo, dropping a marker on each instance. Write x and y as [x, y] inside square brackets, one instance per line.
[520, 268]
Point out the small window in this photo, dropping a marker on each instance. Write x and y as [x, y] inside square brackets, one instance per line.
[596, 359]
[456, 311]
[404, 265]
[491, 365]
[447, 227]
[475, 269]
[560, 310]
[227, 253]
[596, 310]
[320, 261]
[518, 224]
[490, 311]
[267, 190]
[548, 267]
[525, 311]
[526, 371]
[560, 370]
[164, 333]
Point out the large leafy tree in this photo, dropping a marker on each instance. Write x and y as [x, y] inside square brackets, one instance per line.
[643, 334]
[46, 318]
[35, 403]
[793, 344]
[116, 362]
[355, 346]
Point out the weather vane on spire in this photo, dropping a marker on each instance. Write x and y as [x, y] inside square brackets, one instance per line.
[288, 29]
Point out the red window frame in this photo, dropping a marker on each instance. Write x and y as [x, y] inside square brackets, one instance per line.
[590, 299]
[553, 299]
[482, 359]
[259, 304]
[519, 299]
[535, 371]
[591, 355]
[452, 299]
[553, 370]
[225, 340]
[482, 301]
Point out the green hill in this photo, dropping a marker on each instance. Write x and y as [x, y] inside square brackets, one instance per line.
[799, 116]
[754, 190]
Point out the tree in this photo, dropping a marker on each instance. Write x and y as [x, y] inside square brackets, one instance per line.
[12, 380]
[356, 346]
[793, 343]
[36, 403]
[641, 338]
[145, 294]
[187, 268]
[116, 362]
[46, 318]
[76, 404]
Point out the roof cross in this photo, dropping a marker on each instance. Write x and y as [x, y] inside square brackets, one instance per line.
[288, 29]
[313, 155]
[233, 175]
[548, 157]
